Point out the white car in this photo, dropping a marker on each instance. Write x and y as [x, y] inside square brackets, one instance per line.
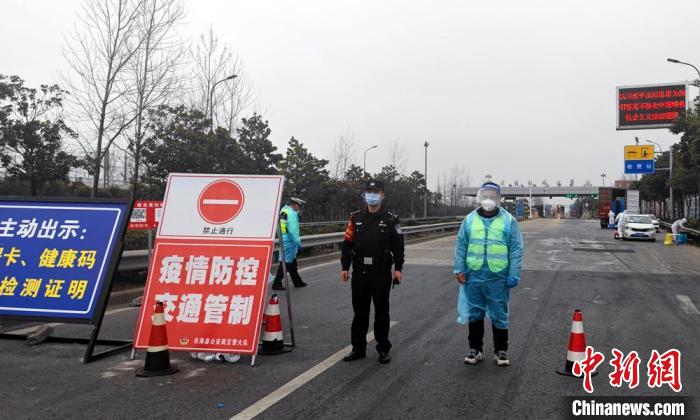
[654, 221]
[639, 226]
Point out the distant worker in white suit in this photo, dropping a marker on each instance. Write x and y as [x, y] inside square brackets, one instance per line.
[678, 225]
[620, 220]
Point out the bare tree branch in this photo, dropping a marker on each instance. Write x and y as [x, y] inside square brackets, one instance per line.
[155, 69]
[102, 45]
[344, 154]
[213, 62]
[396, 154]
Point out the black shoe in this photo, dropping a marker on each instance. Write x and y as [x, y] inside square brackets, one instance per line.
[278, 287]
[384, 357]
[353, 355]
[302, 284]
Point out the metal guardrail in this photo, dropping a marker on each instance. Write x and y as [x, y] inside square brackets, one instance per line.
[138, 259]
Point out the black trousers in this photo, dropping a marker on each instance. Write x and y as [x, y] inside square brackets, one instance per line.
[368, 287]
[476, 337]
[293, 273]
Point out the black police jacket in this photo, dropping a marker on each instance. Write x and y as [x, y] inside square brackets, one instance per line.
[374, 237]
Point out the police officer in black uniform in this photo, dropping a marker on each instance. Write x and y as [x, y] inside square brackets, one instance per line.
[373, 243]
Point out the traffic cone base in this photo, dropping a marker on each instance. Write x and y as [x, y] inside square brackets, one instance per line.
[567, 371]
[157, 356]
[270, 348]
[157, 359]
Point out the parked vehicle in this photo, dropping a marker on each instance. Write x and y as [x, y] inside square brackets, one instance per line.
[610, 198]
[654, 221]
[638, 226]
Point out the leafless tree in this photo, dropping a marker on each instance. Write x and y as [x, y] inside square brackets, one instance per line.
[344, 154]
[396, 154]
[459, 179]
[155, 68]
[212, 63]
[103, 43]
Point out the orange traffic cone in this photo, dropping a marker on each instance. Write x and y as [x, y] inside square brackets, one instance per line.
[273, 338]
[157, 356]
[577, 345]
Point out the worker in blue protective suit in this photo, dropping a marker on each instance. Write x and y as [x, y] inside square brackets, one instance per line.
[488, 259]
[291, 237]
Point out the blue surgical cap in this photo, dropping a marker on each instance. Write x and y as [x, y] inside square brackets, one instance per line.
[491, 186]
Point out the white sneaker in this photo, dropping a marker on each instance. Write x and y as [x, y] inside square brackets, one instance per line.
[228, 357]
[205, 357]
[473, 357]
[501, 358]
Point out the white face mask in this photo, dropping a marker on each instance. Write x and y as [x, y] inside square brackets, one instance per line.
[488, 204]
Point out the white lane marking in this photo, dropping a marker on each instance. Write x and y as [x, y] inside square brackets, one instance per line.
[271, 277]
[296, 383]
[30, 330]
[219, 201]
[311, 267]
[687, 305]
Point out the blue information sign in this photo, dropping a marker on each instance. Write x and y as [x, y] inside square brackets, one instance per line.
[57, 258]
[639, 166]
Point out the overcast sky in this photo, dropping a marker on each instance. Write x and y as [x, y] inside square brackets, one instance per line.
[516, 89]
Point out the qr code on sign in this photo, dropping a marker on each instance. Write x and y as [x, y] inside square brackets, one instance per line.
[138, 215]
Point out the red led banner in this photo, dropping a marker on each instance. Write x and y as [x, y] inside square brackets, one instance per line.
[650, 106]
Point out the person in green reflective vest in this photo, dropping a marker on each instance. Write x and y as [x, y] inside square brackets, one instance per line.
[488, 260]
[291, 237]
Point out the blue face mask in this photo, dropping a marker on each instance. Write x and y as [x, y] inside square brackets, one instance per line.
[373, 199]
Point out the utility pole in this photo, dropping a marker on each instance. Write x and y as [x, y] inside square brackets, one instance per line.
[364, 160]
[670, 187]
[672, 213]
[670, 150]
[211, 100]
[425, 174]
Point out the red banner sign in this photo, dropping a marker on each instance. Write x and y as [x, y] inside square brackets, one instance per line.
[145, 214]
[213, 295]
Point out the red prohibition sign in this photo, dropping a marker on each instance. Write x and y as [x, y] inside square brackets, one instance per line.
[220, 201]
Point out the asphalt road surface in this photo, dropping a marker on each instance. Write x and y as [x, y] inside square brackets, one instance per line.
[634, 296]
